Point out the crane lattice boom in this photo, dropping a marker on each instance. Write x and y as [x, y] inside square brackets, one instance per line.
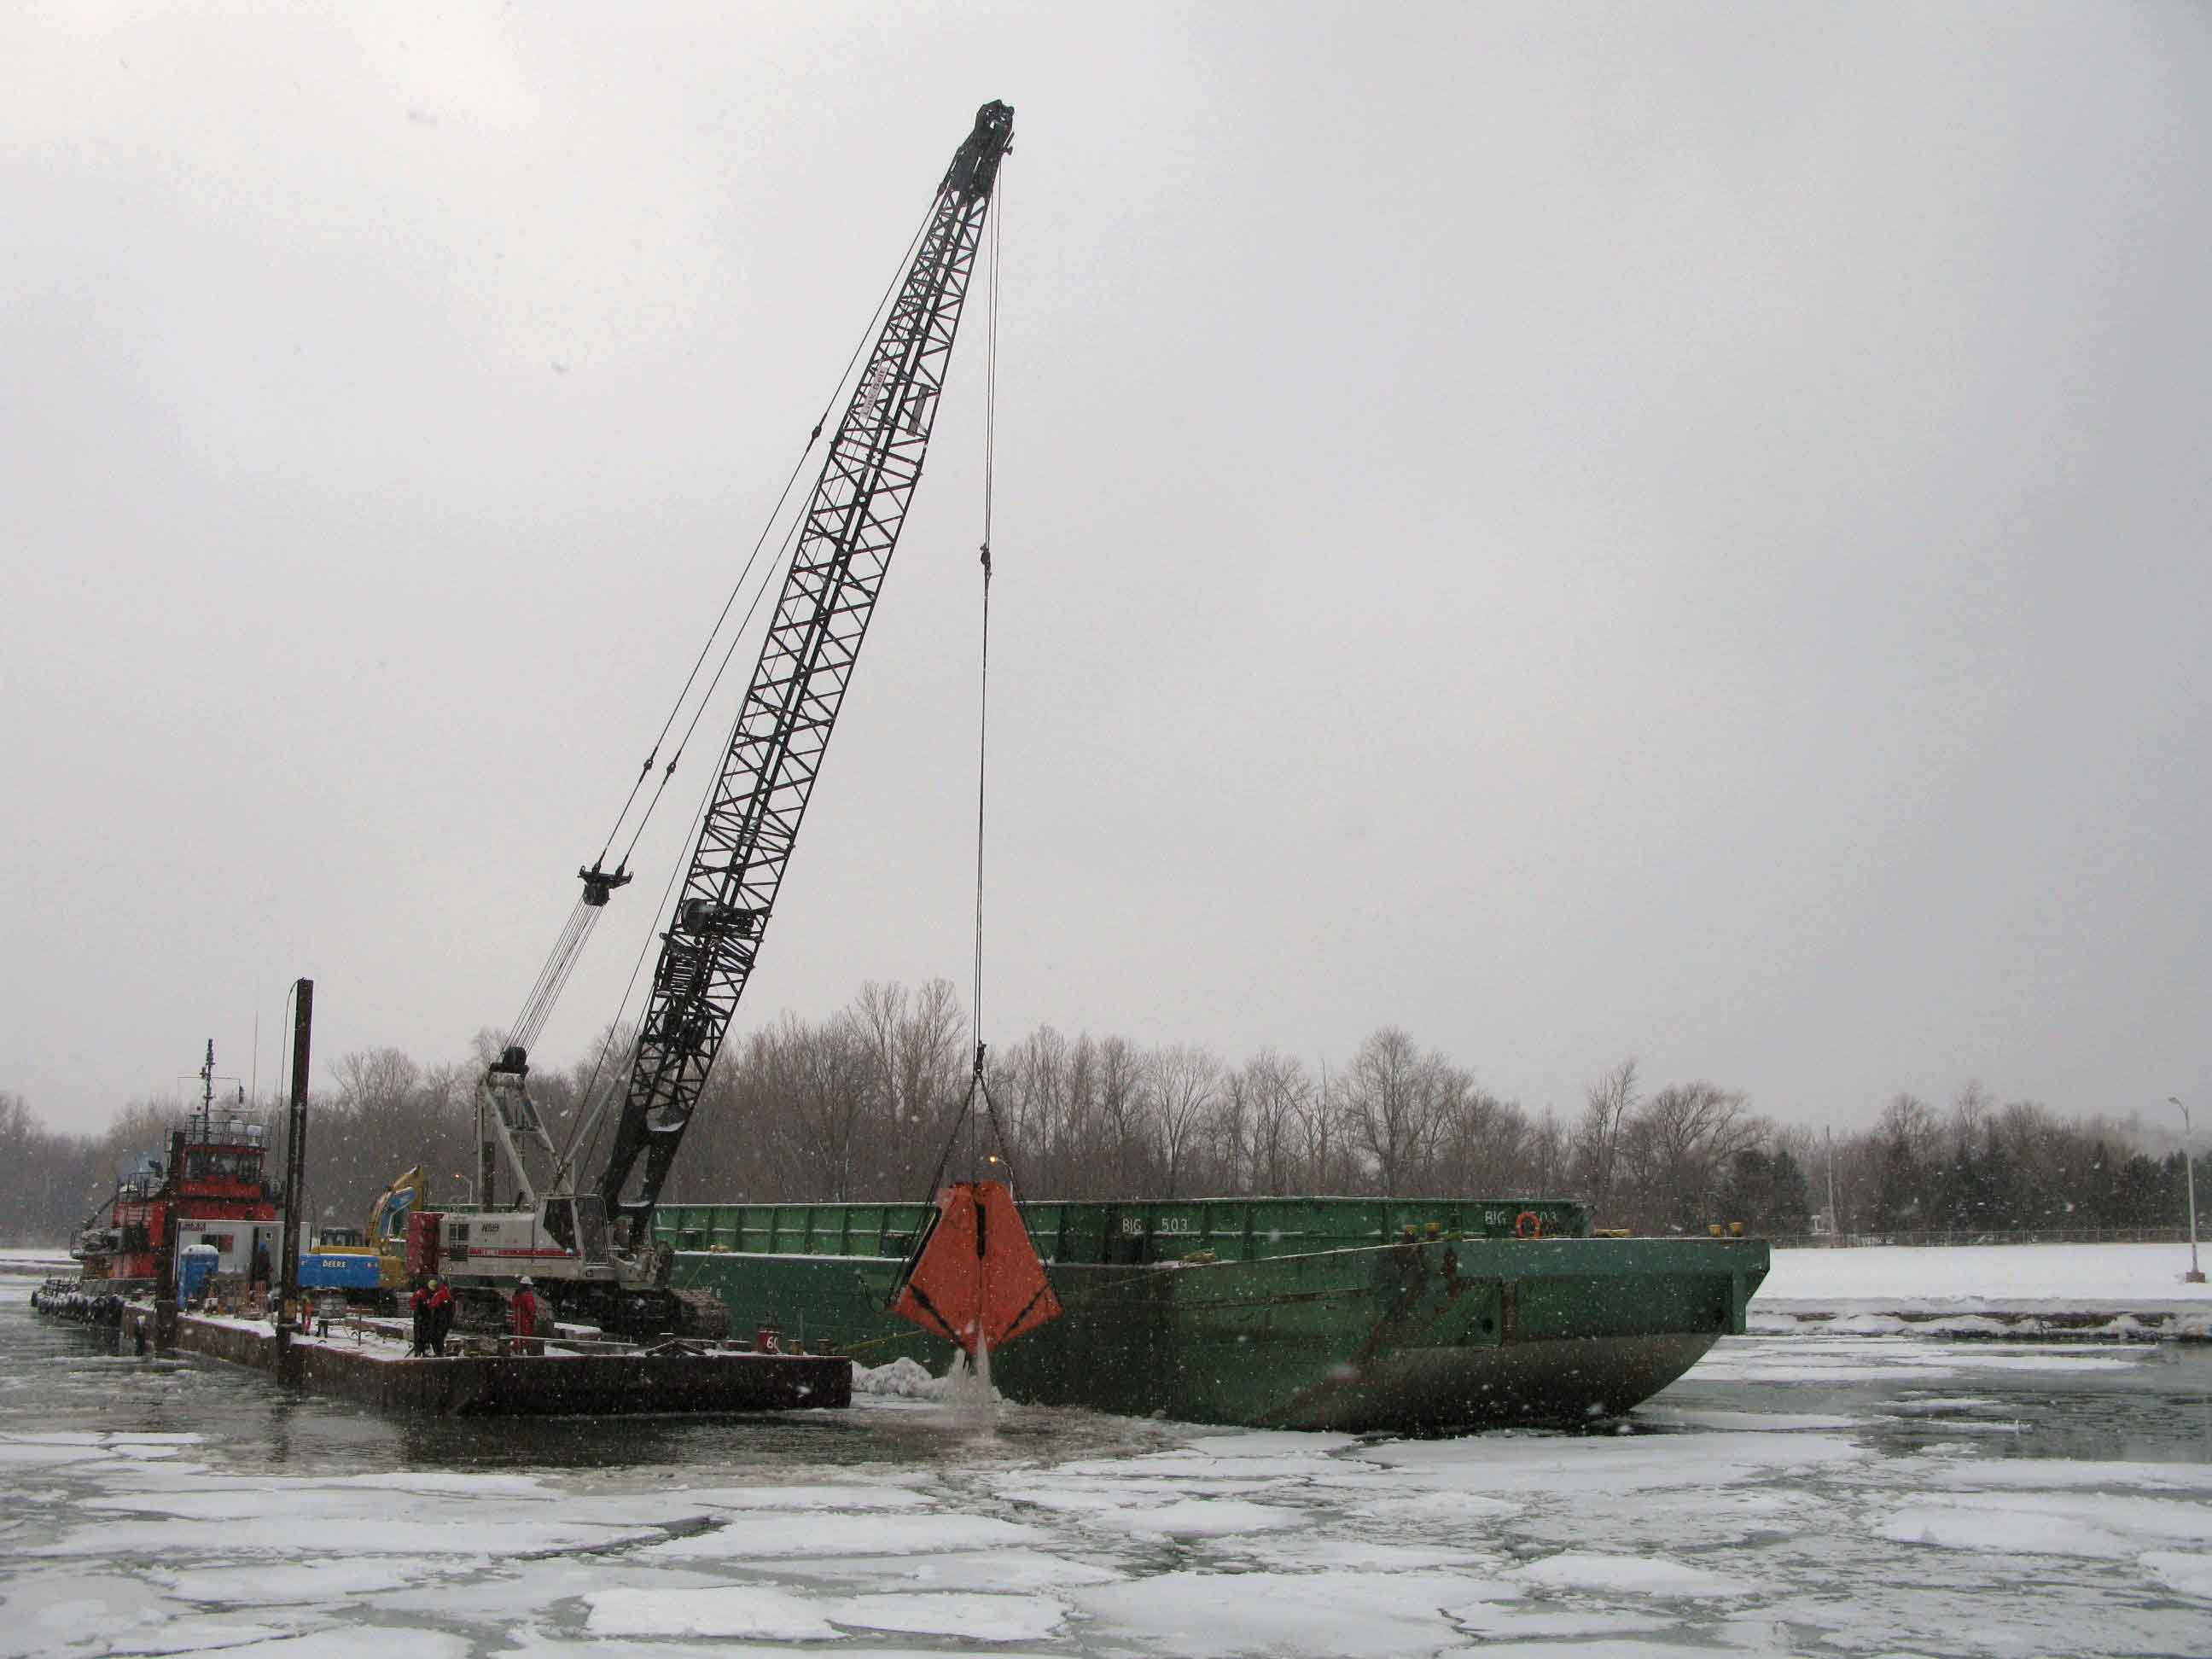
[849, 531]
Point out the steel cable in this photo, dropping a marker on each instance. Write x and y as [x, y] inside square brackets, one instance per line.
[675, 709]
[560, 961]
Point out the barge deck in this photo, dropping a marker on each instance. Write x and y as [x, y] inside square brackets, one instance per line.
[365, 1364]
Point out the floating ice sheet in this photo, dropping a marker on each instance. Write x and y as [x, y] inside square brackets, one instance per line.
[1635, 1574]
[748, 1610]
[806, 1534]
[1330, 1615]
[2071, 1522]
[977, 1618]
[1202, 1517]
[964, 1570]
[2188, 1571]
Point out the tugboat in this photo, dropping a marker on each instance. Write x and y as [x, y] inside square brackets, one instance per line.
[208, 1188]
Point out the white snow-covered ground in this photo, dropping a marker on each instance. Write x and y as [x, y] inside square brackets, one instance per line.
[2119, 1291]
[1996, 1276]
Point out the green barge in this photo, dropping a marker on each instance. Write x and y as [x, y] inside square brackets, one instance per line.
[1309, 1312]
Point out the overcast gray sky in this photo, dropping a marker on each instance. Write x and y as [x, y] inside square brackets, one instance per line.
[1581, 531]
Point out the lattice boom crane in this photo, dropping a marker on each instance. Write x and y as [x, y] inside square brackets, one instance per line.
[850, 529]
[845, 539]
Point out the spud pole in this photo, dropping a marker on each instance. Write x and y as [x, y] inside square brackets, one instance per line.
[295, 1162]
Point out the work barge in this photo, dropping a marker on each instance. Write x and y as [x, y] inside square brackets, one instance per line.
[181, 1261]
[367, 1360]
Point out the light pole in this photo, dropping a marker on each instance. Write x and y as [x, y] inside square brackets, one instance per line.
[2189, 1168]
[457, 1176]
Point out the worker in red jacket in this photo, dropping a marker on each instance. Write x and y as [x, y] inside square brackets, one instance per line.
[523, 1311]
[442, 1315]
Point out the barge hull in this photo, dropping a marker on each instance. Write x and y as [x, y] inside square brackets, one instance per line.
[1425, 1336]
[552, 1384]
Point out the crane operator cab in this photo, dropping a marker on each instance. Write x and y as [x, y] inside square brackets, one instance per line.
[564, 1238]
[579, 1226]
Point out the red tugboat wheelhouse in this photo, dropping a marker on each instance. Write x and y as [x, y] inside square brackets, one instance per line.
[209, 1186]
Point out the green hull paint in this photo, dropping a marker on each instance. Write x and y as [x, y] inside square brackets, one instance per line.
[1281, 1313]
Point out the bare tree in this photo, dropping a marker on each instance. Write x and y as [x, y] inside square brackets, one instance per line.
[1281, 1093]
[1322, 1139]
[375, 1079]
[1228, 1134]
[1482, 1142]
[829, 1083]
[1607, 1105]
[1181, 1082]
[919, 1067]
[1125, 1113]
[1682, 1140]
[1547, 1155]
[1390, 1094]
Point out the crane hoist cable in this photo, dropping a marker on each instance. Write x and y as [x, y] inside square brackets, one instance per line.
[599, 883]
[978, 1082]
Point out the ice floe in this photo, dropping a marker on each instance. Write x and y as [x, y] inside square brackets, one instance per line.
[2190, 1572]
[805, 1534]
[978, 1618]
[2071, 1522]
[1205, 1517]
[1635, 1574]
[962, 1570]
[1331, 1615]
[749, 1610]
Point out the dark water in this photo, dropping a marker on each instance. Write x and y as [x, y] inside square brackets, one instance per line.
[2094, 1401]
[57, 1376]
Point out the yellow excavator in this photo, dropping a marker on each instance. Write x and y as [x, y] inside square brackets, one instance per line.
[369, 1266]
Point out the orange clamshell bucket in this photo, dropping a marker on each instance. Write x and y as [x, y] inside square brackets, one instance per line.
[976, 1277]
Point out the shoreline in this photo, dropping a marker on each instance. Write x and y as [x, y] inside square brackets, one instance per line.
[2037, 1320]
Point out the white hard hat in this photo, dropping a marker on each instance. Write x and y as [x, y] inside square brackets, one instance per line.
[525, 1282]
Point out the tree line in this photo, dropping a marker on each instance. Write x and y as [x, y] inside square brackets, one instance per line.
[868, 1103]
[1992, 1165]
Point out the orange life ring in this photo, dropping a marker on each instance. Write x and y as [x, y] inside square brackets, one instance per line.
[1527, 1225]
